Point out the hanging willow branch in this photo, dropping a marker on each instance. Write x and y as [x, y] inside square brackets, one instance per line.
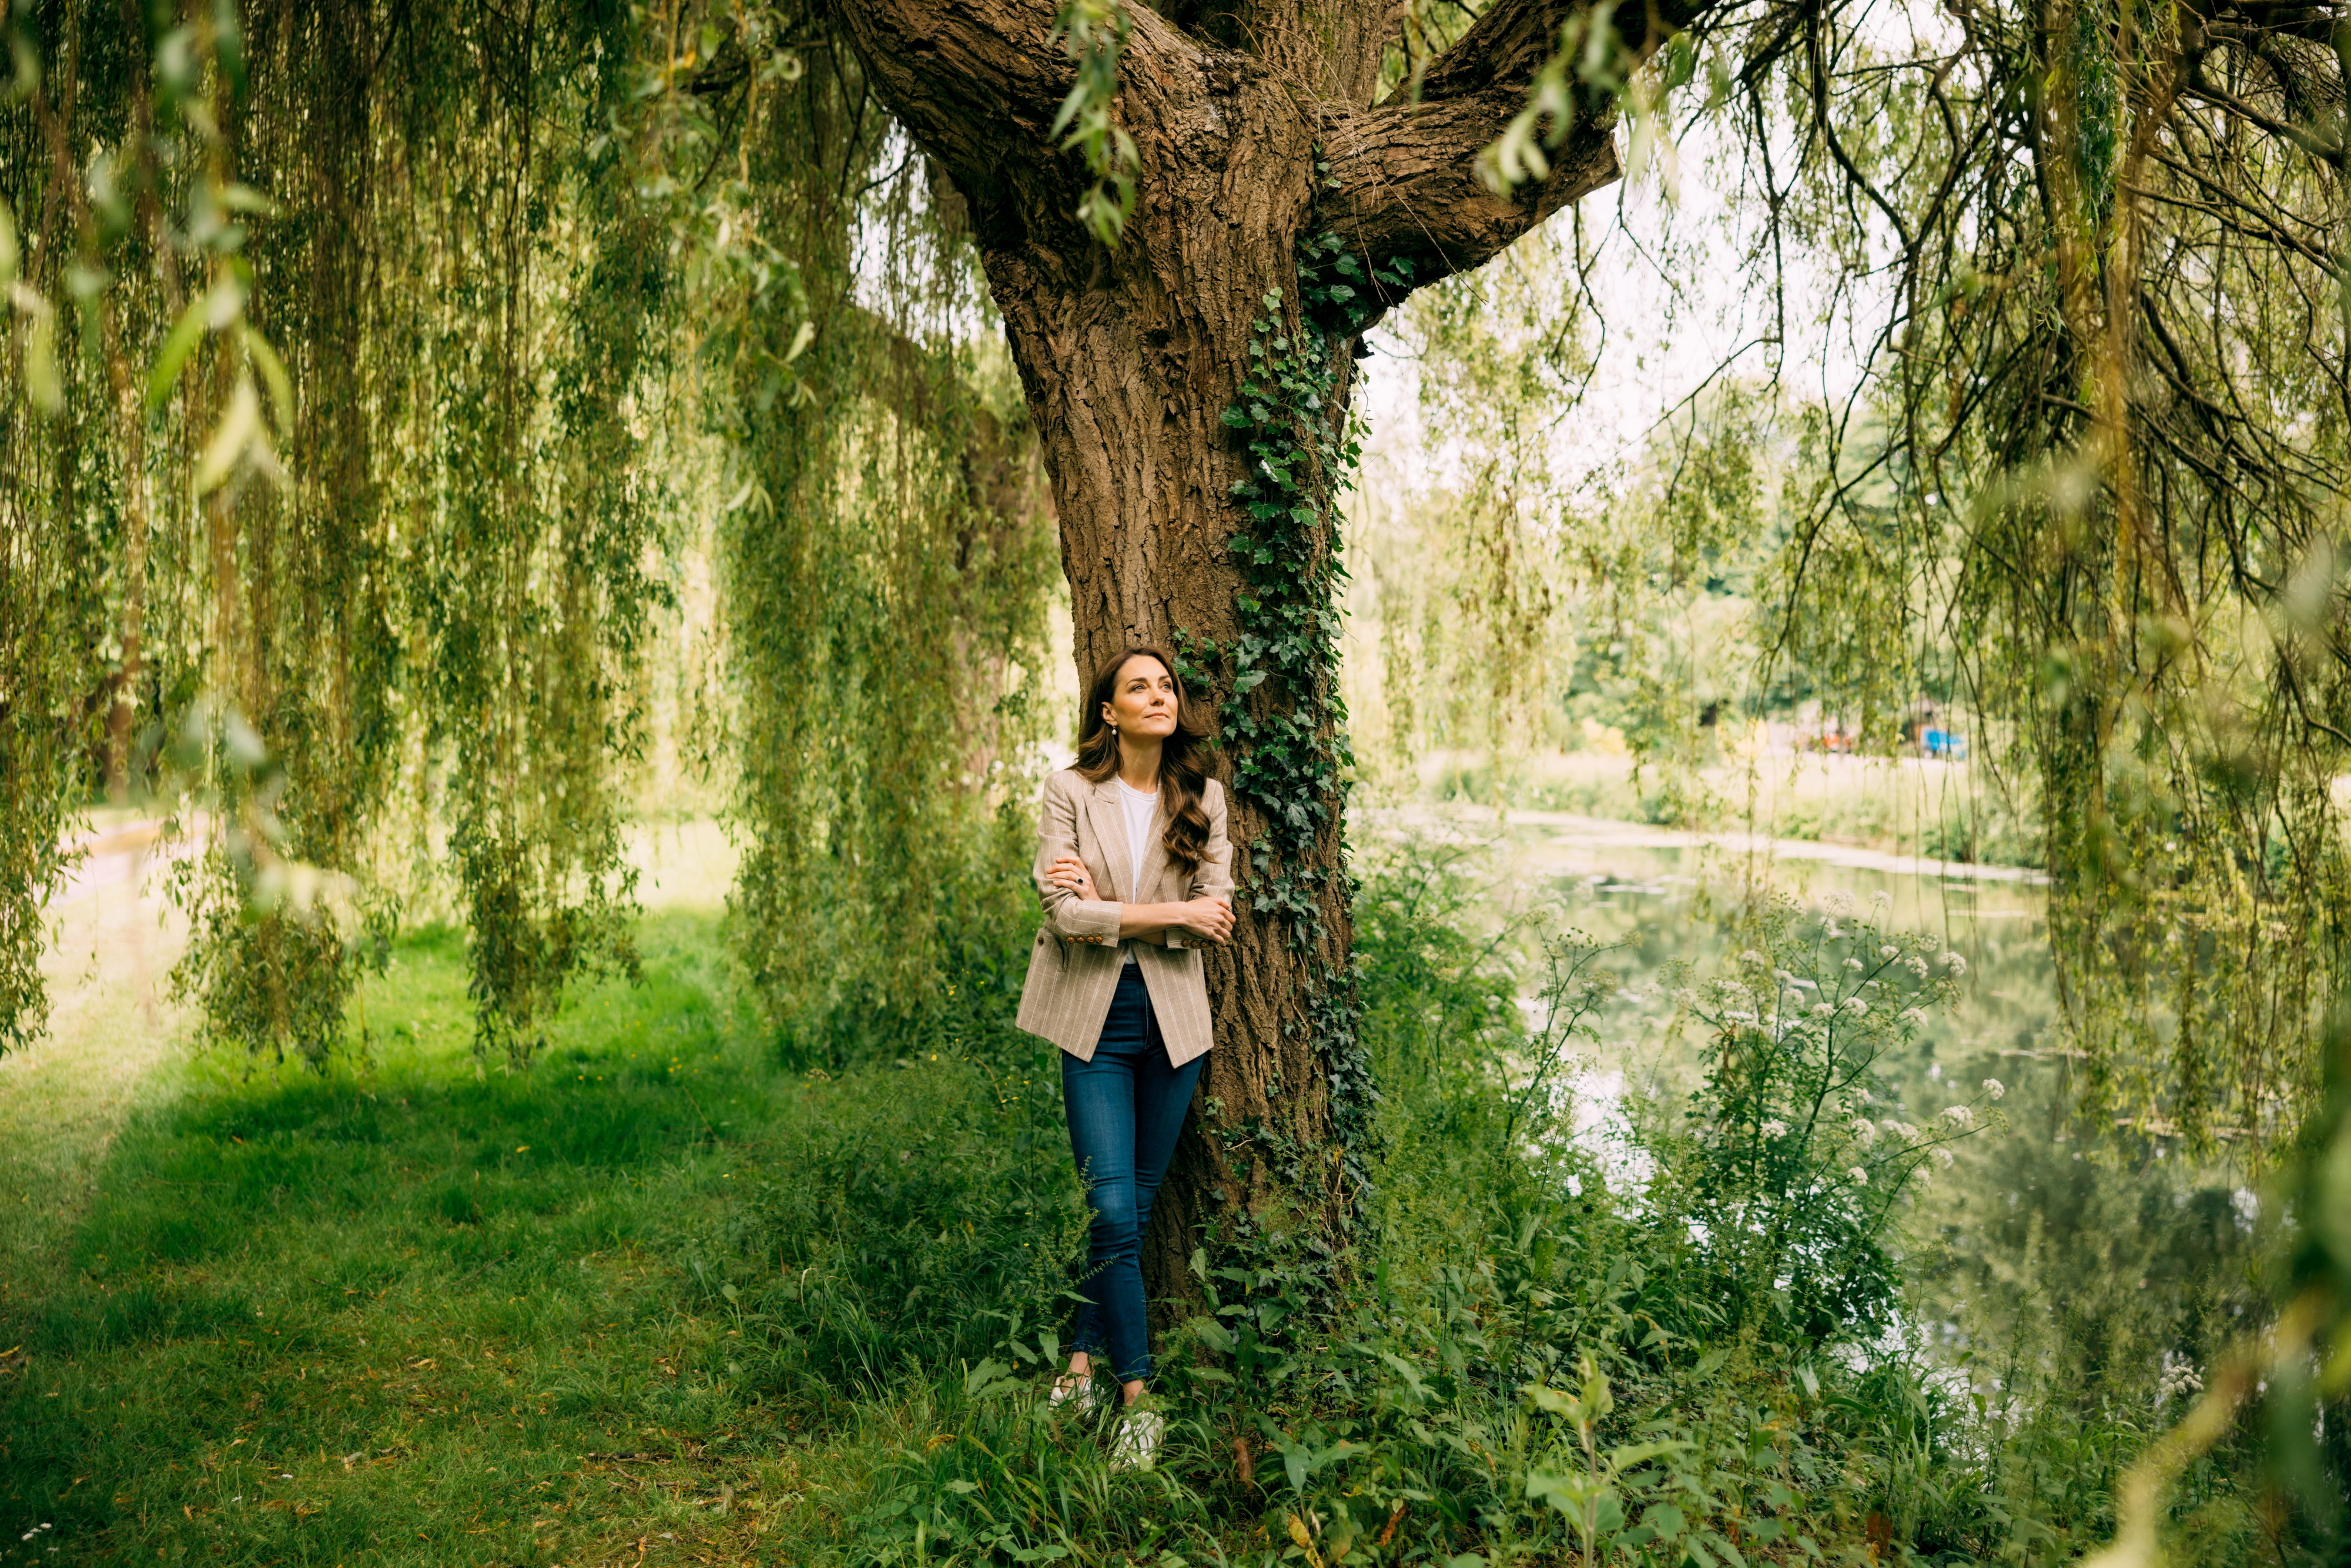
[342, 338]
[2111, 388]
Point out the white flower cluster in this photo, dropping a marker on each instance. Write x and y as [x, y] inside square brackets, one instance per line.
[1959, 1115]
[1888, 951]
[1856, 1006]
[1752, 956]
[1775, 1128]
[1956, 965]
[1902, 1130]
[1865, 1131]
[1858, 1176]
[1913, 1017]
[1943, 1158]
[1995, 1088]
[1917, 966]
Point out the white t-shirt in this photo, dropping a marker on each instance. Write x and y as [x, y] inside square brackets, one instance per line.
[1140, 805]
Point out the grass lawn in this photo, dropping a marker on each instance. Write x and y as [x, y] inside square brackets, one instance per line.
[414, 1311]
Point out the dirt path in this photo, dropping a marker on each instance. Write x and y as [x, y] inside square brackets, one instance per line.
[111, 1027]
[1606, 833]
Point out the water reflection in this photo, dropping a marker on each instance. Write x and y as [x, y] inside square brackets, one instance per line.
[2104, 1269]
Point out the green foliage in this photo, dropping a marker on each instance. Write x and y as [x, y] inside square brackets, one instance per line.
[1283, 722]
[548, 292]
[1095, 34]
[1784, 1164]
[663, 1288]
[2101, 483]
[420, 541]
[900, 1238]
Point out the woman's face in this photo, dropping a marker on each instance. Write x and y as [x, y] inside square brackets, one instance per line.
[1143, 699]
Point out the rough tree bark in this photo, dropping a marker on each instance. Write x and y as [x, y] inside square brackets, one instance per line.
[1129, 358]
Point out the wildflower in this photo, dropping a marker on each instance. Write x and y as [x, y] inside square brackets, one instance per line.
[1943, 1158]
[1959, 1115]
[1913, 1017]
[1865, 1131]
[1858, 1176]
[1856, 1006]
[1853, 964]
[1888, 951]
[1956, 965]
[1838, 903]
[1752, 956]
[1902, 1130]
[1822, 1009]
[1995, 1088]
[1775, 1128]
[1881, 899]
[1784, 978]
[1917, 965]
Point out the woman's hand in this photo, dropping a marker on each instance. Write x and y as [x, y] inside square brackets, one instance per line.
[1071, 873]
[1211, 919]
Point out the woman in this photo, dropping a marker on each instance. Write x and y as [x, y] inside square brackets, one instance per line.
[1135, 872]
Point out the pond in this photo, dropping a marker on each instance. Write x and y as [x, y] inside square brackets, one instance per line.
[2047, 1254]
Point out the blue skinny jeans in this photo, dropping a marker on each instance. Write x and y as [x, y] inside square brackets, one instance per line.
[1126, 1108]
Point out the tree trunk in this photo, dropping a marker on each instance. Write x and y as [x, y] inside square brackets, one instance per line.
[1130, 358]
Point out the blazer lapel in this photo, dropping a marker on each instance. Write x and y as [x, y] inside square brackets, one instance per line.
[1154, 854]
[1110, 832]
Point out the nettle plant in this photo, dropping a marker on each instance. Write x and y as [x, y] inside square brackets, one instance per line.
[1785, 1166]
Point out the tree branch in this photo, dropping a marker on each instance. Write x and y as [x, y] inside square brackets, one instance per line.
[979, 81]
[1408, 182]
[1406, 172]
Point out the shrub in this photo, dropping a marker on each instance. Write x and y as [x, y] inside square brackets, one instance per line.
[919, 1205]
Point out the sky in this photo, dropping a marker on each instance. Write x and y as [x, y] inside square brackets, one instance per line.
[1676, 299]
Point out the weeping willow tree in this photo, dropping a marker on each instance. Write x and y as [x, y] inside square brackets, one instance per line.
[342, 335]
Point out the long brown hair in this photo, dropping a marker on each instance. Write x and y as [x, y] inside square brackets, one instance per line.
[1182, 772]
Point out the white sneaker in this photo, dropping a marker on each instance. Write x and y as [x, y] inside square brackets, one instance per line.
[1072, 1395]
[1136, 1446]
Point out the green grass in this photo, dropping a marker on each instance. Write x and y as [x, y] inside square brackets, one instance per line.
[413, 1312]
[659, 1300]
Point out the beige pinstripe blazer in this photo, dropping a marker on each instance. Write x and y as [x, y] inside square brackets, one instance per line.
[1074, 968]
